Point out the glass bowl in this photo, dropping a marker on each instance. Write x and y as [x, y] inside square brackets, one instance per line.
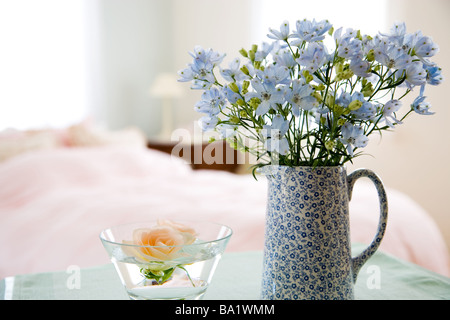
[165, 259]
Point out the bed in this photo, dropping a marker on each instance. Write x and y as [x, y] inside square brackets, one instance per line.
[56, 197]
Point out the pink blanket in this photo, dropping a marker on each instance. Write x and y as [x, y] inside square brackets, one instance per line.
[54, 203]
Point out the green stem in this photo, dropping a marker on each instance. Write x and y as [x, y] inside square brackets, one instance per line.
[187, 273]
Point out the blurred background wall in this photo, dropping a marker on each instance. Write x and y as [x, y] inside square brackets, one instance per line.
[64, 61]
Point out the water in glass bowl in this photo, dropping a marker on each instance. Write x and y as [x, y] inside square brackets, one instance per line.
[188, 283]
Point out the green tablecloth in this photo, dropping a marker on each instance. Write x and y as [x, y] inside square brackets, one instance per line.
[238, 277]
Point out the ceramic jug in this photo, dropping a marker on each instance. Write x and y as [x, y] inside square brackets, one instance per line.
[307, 249]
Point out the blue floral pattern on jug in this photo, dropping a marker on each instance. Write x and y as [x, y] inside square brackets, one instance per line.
[307, 251]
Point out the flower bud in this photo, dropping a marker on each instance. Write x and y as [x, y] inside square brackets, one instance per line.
[355, 105]
[243, 52]
[330, 31]
[329, 100]
[320, 87]
[367, 90]
[358, 35]
[371, 55]
[234, 119]
[254, 103]
[330, 144]
[257, 65]
[337, 109]
[245, 85]
[251, 55]
[233, 87]
[341, 122]
[347, 74]
[317, 95]
[245, 71]
[308, 76]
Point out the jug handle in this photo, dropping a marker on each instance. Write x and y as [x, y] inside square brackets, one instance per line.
[358, 261]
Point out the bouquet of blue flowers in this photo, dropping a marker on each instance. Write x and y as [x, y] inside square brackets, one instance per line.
[293, 101]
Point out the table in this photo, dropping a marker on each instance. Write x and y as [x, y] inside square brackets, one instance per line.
[218, 155]
[238, 277]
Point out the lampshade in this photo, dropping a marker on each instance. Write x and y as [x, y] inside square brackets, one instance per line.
[166, 85]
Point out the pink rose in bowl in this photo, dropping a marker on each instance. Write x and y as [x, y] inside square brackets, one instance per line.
[178, 226]
[161, 242]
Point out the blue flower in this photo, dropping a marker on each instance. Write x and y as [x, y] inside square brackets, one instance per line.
[345, 98]
[349, 48]
[421, 106]
[268, 94]
[357, 96]
[310, 31]
[261, 54]
[347, 45]
[208, 123]
[397, 33]
[284, 58]
[349, 33]
[275, 140]
[353, 137]
[232, 96]
[299, 96]
[391, 56]
[200, 71]
[200, 84]
[366, 112]
[233, 73]
[389, 110]
[207, 56]
[283, 34]
[313, 57]
[415, 74]
[186, 75]
[212, 102]
[274, 75]
[360, 67]
[423, 46]
[434, 75]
